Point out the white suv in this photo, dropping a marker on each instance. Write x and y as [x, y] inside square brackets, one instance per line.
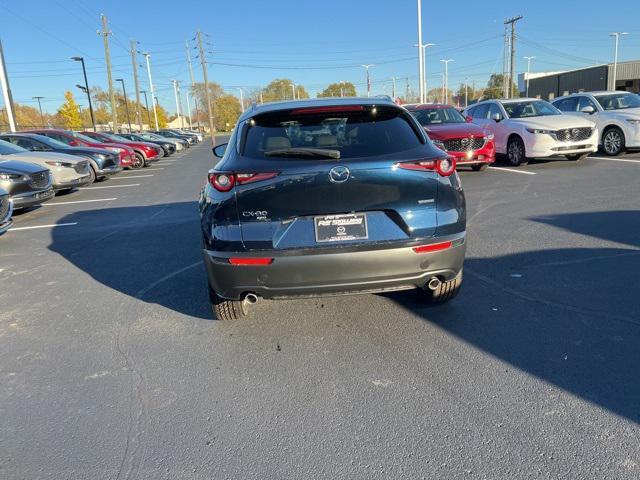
[527, 128]
[616, 114]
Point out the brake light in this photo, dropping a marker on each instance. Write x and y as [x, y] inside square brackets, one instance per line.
[444, 166]
[338, 108]
[250, 261]
[433, 247]
[223, 182]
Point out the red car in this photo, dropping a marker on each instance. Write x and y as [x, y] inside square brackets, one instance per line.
[75, 139]
[451, 132]
[145, 152]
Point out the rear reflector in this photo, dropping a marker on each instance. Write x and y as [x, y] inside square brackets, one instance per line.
[433, 247]
[250, 261]
[313, 110]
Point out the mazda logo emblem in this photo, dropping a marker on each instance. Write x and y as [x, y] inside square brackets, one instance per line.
[339, 174]
[465, 142]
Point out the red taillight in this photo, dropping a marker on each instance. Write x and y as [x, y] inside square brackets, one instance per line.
[344, 108]
[433, 247]
[250, 261]
[444, 166]
[223, 182]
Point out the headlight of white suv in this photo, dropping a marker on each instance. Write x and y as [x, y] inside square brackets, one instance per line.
[540, 131]
[489, 136]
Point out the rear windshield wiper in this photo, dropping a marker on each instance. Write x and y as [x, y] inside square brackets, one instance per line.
[304, 152]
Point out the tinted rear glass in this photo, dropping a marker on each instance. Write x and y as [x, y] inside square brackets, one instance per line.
[354, 133]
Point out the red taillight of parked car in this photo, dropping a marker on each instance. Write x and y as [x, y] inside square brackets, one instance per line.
[224, 181]
[432, 247]
[444, 166]
[250, 261]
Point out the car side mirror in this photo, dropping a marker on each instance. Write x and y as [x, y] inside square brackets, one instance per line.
[469, 118]
[496, 117]
[219, 150]
[588, 109]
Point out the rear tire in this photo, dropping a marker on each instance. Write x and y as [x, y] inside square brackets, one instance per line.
[613, 141]
[92, 175]
[516, 154]
[577, 157]
[479, 167]
[445, 292]
[226, 309]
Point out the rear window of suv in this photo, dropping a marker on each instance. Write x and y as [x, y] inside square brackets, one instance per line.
[354, 131]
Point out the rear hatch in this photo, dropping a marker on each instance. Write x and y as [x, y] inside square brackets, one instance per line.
[331, 179]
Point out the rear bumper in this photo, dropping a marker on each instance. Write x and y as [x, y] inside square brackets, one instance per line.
[307, 273]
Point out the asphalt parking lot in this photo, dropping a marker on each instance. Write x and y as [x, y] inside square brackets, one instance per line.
[111, 365]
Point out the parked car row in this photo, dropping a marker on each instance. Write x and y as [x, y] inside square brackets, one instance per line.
[520, 129]
[38, 164]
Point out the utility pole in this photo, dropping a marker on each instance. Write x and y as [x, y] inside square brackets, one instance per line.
[175, 93]
[394, 87]
[367, 67]
[505, 61]
[443, 81]
[193, 86]
[466, 92]
[616, 36]
[126, 103]
[107, 57]
[146, 104]
[86, 89]
[241, 99]
[153, 94]
[406, 91]
[420, 54]
[186, 95]
[134, 64]
[40, 108]
[512, 45]
[528, 74]
[293, 87]
[446, 79]
[203, 62]
[6, 92]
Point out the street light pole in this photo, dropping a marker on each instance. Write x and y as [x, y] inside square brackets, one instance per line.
[40, 108]
[146, 104]
[424, 68]
[466, 92]
[86, 86]
[420, 54]
[446, 79]
[126, 103]
[528, 74]
[616, 36]
[293, 88]
[153, 96]
[368, 78]
[241, 99]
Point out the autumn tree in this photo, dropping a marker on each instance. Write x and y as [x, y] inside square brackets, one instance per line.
[282, 89]
[162, 116]
[228, 110]
[70, 113]
[495, 87]
[340, 89]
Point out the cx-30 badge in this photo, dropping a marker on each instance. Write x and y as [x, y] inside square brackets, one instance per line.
[339, 174]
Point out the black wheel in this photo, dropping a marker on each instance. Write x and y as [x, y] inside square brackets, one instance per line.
[446, 291]
[92, 175]
[226, 309]
[613, 141]
[479, 167]
[516, 154]
[138, 162]
[577, 157]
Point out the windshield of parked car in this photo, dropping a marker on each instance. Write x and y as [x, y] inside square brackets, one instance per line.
[50, 142]
[618, 101]
[354, 131]
[7, 148]
[85, 138]
[116, 138]
[437, 115]
[533, 108]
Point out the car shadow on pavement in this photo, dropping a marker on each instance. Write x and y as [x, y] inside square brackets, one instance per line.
[570, 317]
[152, 253]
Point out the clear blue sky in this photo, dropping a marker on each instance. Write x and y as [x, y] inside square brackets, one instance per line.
[312, 42]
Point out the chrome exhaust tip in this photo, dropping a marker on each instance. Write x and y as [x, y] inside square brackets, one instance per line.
[251, 298]
[434, 283]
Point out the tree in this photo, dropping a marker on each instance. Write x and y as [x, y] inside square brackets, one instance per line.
[70, 113]
[227, 112]
[282, 89]
[162, 116]
[459, 95]
[340, 89]
[495, 87]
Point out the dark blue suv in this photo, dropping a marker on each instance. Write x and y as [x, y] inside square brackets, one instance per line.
[330, 197]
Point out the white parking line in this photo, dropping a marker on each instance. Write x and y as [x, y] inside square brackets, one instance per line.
[131, 176]
[512, 170]
[48, 204]
[111, 186]
[148, 170]
[615, 159]
[15, 229]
